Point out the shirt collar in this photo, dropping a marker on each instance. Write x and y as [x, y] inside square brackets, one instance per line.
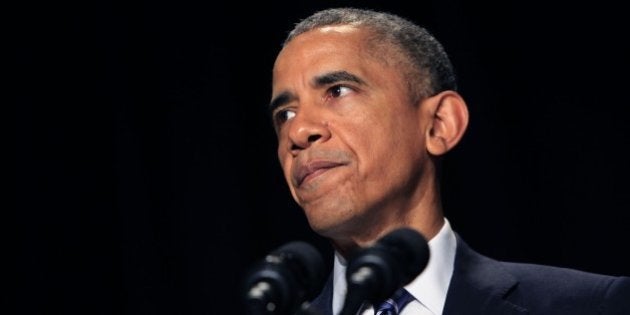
[429, 288]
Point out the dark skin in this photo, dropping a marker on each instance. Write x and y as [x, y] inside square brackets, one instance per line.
[358, 154]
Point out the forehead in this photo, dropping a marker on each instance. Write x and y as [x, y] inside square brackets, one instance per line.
[331, 48]
[317, 43]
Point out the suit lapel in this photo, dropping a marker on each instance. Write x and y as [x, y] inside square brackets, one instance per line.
[479, 285]
[322, 304]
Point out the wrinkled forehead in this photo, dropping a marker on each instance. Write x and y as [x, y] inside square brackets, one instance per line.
[346, 42]
[341, 45]
[326, 37]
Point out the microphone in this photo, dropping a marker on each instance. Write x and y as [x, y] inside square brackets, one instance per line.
[286, 278]
[374, 273]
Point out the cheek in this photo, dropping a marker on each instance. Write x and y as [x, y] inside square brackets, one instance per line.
[387, 144]
[285, 160]
[378, 131]
[285, 164]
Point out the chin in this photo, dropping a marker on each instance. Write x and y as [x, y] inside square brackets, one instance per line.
[331, 216]
[331, 225]
[323, 222]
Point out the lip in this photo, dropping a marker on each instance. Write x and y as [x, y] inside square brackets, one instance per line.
[312, 169]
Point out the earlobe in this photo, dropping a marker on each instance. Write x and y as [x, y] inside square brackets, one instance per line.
[449, 120]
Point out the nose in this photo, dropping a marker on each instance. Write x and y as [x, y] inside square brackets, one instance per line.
[307, 128]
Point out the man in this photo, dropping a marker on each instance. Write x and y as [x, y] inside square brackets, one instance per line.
[364, 105]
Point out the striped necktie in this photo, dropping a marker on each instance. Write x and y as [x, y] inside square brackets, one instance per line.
[395, 304]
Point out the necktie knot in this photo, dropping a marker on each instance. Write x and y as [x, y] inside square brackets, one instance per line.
[395, 304]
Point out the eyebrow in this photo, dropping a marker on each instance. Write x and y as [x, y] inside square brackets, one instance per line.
[283, 98]
[334, 77]
[319, 81]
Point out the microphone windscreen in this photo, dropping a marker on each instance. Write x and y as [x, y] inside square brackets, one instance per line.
[308, 265]
[410, 249]
[286, 278]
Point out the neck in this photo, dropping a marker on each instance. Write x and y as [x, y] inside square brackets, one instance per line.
[428, 224]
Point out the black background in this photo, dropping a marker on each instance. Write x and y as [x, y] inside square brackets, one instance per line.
[145, 178]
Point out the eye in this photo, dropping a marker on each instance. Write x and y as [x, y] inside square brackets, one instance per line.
[338, 91]
[283, 115]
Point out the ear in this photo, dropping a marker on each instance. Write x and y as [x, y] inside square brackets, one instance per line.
[448, 116]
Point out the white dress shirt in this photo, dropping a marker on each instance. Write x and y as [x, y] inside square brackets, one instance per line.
[429, 288]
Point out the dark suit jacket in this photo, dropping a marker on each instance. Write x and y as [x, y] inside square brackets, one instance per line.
[481, 285]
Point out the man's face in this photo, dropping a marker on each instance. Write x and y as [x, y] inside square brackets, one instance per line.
[350, 142]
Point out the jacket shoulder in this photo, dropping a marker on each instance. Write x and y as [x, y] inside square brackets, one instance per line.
[564, 289]
[482, 285]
